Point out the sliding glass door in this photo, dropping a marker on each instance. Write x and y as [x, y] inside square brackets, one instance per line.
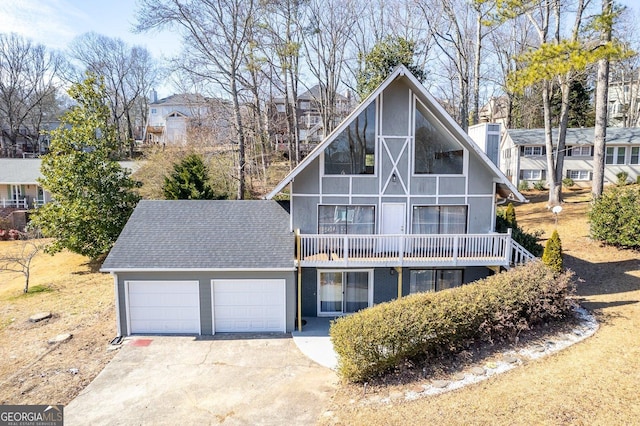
[343, 292]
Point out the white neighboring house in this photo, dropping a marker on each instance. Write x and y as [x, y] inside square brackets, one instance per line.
[624, 103]
[170, 118]
[523, 155]
[19, 187]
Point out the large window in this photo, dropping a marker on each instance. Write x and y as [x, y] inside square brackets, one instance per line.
[346, 219]
[342, 292]
[580, 151]
[439, 220]
[532, 174]
[615, 155]
[579, 174]
[436, 152]
[534, 150]
[635, 155]
[430, 280]
[353, 150]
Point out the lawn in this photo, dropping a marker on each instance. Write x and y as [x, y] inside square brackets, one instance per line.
[81, 301]
[594, 382]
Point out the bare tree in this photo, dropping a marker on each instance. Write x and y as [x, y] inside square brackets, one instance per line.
[28, 87]
[215, 35]
[330, 28]
[129, 74]
[602, 88]
[19, 257]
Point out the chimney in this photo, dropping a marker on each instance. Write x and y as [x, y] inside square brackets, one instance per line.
[154, 96]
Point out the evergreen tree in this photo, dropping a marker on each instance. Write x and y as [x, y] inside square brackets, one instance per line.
[552, 256]
[510, 216]
[92, 195]
[189, 181]
[382, 59]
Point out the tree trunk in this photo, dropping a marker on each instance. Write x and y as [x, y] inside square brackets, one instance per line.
[240, 135]
[554, 196]
[602, 92]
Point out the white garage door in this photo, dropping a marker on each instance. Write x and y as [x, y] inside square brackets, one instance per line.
[164, 307]
[249, 305]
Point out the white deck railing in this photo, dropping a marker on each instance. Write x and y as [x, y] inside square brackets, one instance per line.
[17, 203]
[327, 250]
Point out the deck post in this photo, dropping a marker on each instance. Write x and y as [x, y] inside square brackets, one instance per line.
[399, 271]
[298, 254]
[508, 250]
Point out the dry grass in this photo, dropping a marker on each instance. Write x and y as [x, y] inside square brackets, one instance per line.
[82, 303]
[591, 383]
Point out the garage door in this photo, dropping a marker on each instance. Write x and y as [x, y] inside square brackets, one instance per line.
[249, 305]
[164, 307]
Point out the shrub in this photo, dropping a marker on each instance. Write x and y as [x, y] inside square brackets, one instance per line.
[510, 216]
[526, 239]
[615, 217]
[540, 185]
[428, 325]
[552, 256]
[622, 178]
[523, 185]
[568, 182]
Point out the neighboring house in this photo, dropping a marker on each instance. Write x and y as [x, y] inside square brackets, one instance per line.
[487, 136]
[624, 103]
[396, 200]
[310, 124]
[19, 187]
[523, 155]
[495, 111]
[170, 119]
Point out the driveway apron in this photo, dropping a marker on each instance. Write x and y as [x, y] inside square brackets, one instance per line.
[229, 380]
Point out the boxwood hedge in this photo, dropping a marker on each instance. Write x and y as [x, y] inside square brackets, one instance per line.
[427, 325]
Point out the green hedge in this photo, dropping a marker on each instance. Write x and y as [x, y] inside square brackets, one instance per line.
[427, 325]
[615, 217]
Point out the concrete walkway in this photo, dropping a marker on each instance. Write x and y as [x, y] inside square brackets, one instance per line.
[314, 341]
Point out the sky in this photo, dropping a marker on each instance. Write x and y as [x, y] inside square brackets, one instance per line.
[55, 23]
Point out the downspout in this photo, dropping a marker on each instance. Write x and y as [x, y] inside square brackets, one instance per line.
[299, 280]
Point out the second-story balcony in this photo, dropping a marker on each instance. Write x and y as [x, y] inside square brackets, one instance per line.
[410, 250]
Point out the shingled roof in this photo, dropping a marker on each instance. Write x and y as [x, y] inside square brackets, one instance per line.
[204, 235]
[576, 136]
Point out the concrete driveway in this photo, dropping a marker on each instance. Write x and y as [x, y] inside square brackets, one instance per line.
[230, 380]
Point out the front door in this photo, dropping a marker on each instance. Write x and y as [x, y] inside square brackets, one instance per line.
[343, 292]
[393, 222]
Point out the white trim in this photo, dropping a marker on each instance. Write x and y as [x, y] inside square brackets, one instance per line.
[112, 270]
[370, 274]
[117, 295]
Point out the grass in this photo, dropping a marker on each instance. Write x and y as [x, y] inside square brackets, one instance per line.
[594, 382]
[81, 302]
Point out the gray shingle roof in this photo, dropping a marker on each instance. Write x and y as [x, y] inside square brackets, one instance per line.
[26, 171]
[19, 170]
[204, 235]
[615, 136]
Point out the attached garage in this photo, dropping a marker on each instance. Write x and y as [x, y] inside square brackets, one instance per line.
[205, 267]
[249, 305]
[163, 307]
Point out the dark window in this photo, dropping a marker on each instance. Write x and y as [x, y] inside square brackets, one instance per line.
[430, 280]
[439, 220]
[435, 151]
[346, 219]
[353, 150]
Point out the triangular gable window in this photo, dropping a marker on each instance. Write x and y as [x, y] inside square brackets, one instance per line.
[352, 152]
[436, 152]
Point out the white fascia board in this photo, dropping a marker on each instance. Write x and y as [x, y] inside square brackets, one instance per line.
[116, 270]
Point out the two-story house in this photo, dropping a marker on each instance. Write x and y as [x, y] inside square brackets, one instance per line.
[523, 155]
[396, 200]
[171, 119]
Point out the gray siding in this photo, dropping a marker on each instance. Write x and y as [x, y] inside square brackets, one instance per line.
[385, 285]
[204, 278]
[395, 104]
[309, 292]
